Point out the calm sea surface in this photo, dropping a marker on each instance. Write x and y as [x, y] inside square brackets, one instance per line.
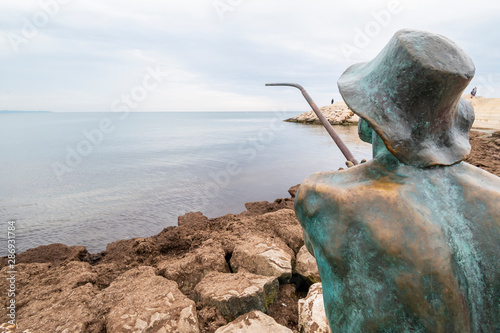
[93, 178]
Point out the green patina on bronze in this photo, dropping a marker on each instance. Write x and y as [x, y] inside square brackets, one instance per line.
[409, 241]
[410, 95]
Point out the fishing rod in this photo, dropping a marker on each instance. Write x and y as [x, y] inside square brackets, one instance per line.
[329, 128]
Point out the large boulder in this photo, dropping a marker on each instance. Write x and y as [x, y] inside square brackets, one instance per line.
[263, 257]
[189, 269]
[312, 317]
[285, 225]
[236, 294]
[252, 322]
[140, 301]
[306, 265]
[53, 299]
[67, 298]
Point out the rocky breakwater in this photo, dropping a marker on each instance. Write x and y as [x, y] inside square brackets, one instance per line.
[337, 114]
[235, 273]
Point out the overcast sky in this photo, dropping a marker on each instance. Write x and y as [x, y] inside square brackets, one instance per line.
[215, 55]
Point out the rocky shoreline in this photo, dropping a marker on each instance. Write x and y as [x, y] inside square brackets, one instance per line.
[196, 277]
[205, 275]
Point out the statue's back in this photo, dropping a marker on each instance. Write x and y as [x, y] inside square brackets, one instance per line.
[406, 248]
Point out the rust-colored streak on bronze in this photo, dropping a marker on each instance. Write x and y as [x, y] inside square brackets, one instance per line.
[343, 148]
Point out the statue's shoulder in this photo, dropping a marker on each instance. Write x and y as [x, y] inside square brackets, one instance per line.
[481, 193]
[365, 176]
[471, 175]
[326, 188]
[328, 182]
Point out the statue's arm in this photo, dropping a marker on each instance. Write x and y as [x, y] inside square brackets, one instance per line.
[306, 207]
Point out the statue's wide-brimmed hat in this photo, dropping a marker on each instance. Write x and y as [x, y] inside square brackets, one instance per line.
[410, 94]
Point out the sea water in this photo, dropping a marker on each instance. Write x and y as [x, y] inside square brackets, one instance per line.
[93, 178]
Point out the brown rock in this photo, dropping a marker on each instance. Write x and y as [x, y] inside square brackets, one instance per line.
[190, 268]
[263, 257]
[262, 207]
[141, 301]
[65, 292]
[144, 246]
[192, 219]
[54, 299]
[210, 318]
[53, 253]
[285, 225]
[306, 265]
[106, 273]
[120, 252]
[236, 294]
[170, 242]
[254, 321]
[178, 240]
[293, 190]
[66, 299]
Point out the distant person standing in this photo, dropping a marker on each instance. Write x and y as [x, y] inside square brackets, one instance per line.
[473, 92]
[332, 100]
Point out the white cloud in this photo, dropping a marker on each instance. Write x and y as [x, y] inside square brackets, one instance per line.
[91, 51]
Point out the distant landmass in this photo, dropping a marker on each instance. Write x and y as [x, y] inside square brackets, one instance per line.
[15, 111]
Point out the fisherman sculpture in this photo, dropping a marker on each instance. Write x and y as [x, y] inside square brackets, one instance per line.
[409, 241]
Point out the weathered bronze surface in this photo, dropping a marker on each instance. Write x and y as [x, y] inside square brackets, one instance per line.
[402, 247]
[410, 94]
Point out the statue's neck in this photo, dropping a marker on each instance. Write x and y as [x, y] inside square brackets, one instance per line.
[384, 156]
[378, 147]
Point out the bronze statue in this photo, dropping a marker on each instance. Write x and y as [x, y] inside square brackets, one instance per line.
[409, 241]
